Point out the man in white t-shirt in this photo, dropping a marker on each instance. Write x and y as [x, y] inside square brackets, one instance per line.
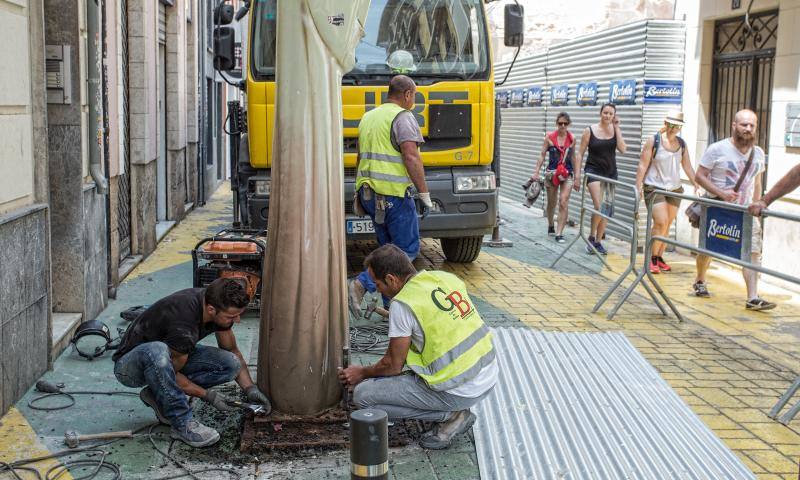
[435, 330]
[719, 170]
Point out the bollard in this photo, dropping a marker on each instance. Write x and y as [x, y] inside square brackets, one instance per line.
[369, 444]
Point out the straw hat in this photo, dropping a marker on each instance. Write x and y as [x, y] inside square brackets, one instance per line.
[674, 117]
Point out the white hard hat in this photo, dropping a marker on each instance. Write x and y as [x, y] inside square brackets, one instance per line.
[401, 61]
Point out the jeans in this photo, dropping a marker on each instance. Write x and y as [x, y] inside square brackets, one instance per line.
[407, 396]
[400, 227]
[150, 364]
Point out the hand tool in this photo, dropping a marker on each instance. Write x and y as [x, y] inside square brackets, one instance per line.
[253, 407]
[72, 439]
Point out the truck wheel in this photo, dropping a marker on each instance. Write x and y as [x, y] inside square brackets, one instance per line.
[461, 250]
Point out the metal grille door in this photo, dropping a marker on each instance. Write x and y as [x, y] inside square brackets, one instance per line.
[124, 179]
[744, 58]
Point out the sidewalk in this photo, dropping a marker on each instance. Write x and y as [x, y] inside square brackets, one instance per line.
[730, 365]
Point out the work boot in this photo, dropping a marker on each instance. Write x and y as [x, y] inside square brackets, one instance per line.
[458, 423]
[147, 397]
[355, 295]
[195, 434]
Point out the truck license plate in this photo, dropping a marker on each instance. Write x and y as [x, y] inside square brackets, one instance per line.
[357, 226]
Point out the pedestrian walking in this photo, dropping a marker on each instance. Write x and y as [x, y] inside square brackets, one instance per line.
[434, 329]
[388, 166]
[786, 184]
[603, 140]
[730, 170]
[662, 157]
[559, 176]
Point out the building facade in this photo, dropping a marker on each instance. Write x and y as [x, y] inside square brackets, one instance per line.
[738, 59]
[105, 111]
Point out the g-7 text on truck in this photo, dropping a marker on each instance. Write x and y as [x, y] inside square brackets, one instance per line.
[455, 108]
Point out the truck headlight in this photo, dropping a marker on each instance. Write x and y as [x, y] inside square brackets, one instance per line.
[262, 187]
[483, 182]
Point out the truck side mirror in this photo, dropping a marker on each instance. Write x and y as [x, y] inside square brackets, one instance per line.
[224, 52]
[514, 25]
[223, 14]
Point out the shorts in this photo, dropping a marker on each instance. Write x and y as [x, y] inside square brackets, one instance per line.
[651, 191]
[599, 172]
[548, 179]
[757, 242]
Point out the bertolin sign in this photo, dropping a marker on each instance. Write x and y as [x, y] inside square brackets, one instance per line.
[559, 94]
[622, 92]
[726, 232]
[534, 96]
[586, 93]
[663, 91]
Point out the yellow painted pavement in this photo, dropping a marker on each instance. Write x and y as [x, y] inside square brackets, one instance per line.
[18, 440]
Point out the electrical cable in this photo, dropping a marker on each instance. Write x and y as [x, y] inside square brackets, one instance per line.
[369, 338]
[32, 403]
[101, 464]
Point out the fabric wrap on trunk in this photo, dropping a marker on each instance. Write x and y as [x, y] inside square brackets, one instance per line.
[304, 301]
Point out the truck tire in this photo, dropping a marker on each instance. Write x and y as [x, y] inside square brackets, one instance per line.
[462, 249]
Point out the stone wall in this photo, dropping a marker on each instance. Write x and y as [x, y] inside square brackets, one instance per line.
[25, 315]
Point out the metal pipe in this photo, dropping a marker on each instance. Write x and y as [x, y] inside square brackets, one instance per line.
[369, 444]
[94, 71]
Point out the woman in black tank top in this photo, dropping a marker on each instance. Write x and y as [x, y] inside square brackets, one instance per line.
[603, 140]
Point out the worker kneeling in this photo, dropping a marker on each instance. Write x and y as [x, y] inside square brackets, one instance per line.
[160, 352]
[435, 330]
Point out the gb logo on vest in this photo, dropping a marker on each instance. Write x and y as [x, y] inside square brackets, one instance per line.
[455, 301]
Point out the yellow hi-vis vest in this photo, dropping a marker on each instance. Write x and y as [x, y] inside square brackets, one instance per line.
[457, 343]
[380, 165]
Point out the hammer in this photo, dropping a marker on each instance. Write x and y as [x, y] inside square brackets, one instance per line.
[72, 439]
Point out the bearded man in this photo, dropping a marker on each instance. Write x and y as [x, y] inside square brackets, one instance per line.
[735, 161]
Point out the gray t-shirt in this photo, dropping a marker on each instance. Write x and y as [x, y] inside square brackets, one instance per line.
[405, 129]
[725, 163]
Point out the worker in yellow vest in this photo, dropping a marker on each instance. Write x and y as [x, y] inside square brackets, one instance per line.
[388, 167]
[436, 331]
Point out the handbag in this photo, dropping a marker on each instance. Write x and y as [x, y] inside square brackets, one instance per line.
[694, 209]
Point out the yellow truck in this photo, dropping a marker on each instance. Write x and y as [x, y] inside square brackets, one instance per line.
[455, 107]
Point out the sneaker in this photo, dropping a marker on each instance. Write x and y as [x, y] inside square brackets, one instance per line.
[355, 295]
[560, 239]
[759, 305]
[662, 265]
[654, 268]
[442, 435]
[589, 249]
[551, 230]
[700, 289]
[147, 397]
[195, 434]
[600, 248]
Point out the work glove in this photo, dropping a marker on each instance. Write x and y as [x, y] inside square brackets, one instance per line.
[254, 395]
[219, 401]
[427, 205]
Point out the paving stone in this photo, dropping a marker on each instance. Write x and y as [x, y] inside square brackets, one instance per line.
[772, 461]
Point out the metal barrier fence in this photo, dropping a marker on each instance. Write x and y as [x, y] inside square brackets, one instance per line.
[631, 228]
[712, 229]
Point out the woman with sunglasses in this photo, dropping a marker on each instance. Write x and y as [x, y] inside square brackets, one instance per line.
[662, 157]
[559, 174]
[603, 140]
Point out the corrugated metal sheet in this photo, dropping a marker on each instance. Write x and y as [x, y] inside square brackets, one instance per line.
[581, 406]
[651, 49]
[162, 23]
